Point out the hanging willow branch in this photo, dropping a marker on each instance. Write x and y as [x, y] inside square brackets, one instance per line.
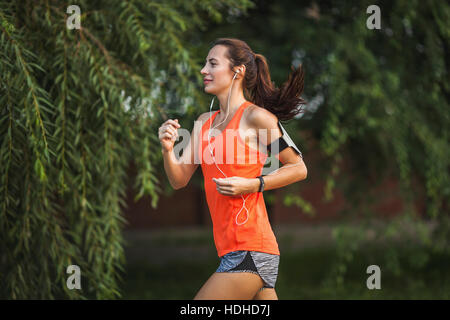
[76, 106]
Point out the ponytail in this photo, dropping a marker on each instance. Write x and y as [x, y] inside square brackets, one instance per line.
[282, 102]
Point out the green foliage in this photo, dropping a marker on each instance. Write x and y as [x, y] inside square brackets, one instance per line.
[76, 106]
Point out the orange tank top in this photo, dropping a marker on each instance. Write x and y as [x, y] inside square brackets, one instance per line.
[234, 157]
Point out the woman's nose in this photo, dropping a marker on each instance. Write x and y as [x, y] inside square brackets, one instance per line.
[203, 71]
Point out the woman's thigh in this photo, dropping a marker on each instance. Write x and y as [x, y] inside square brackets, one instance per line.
[230, 286]
[266, 294]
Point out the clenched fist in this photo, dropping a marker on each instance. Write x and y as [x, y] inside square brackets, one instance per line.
[168, 134]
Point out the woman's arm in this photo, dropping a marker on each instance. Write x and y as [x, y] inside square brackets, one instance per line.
[293, 168]
[179, 171]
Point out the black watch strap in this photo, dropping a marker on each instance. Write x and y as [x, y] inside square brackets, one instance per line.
[261, 184]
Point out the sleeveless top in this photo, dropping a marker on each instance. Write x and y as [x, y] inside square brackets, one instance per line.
[234, 157]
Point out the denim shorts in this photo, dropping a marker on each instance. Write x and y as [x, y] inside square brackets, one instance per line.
[263, 264]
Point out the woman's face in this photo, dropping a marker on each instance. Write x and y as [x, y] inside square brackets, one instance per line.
[217, 75]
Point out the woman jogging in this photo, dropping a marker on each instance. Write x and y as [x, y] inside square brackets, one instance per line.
[246, 124]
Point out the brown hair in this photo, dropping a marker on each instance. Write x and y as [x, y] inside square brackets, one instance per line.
[258, 87]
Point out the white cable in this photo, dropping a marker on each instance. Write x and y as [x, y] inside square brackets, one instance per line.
[211, 152]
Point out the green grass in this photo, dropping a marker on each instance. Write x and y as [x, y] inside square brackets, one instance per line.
[302, 275]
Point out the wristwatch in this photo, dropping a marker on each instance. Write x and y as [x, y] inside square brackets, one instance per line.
[261, 185]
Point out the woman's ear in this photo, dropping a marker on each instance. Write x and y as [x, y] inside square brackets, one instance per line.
[240, 70]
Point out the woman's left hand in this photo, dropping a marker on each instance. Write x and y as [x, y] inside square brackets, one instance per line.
[235, 186]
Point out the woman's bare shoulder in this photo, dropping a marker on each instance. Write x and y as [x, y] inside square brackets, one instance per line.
[261, 118]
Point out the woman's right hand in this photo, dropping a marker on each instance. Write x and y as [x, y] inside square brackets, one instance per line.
[168, 134]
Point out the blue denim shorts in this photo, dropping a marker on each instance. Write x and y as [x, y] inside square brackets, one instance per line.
[263, 264]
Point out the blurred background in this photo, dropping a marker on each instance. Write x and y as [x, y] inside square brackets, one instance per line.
[83, 91]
